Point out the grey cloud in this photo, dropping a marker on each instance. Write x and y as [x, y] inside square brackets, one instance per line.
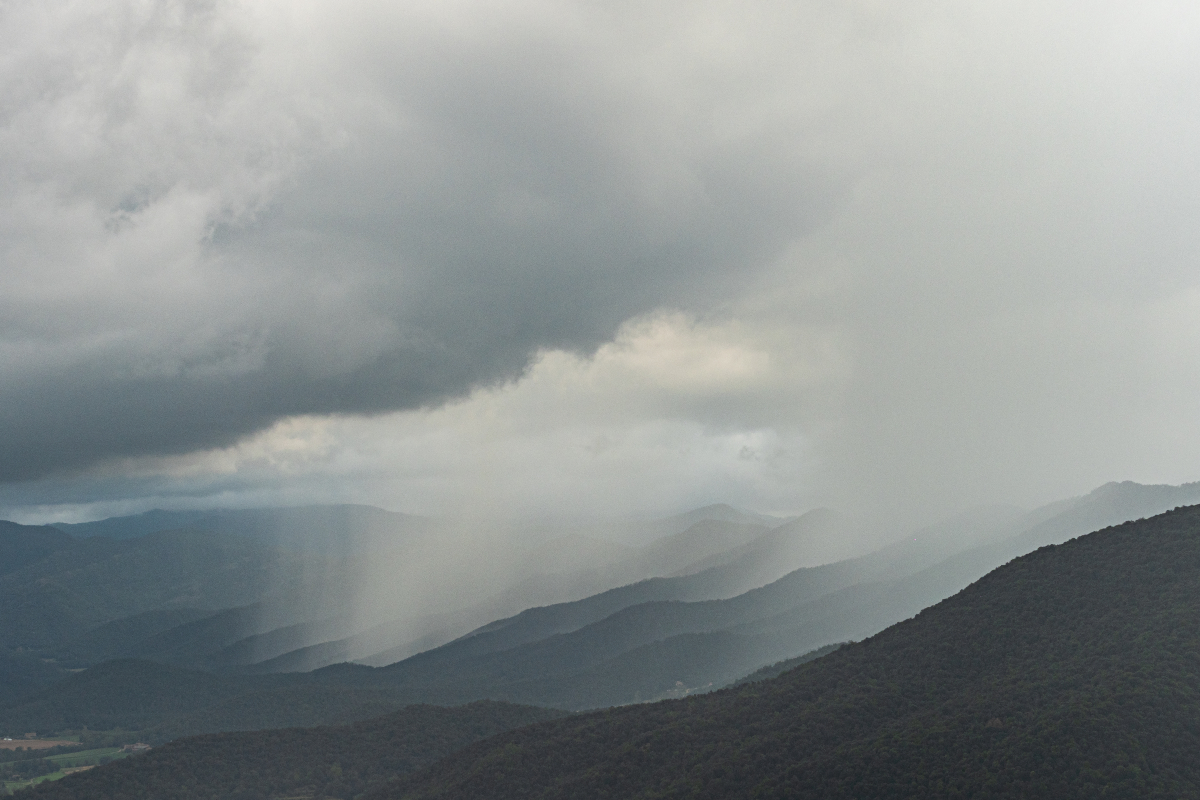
[484, 199]
[983, 215]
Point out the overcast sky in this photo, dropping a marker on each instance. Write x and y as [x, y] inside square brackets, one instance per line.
[576, 258]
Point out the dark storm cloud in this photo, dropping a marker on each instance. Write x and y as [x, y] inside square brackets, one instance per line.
[452, 204]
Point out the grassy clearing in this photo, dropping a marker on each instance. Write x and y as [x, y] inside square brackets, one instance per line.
[86, 757]
[12, 786]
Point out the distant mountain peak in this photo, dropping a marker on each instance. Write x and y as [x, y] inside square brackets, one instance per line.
[1125, 487]
[721, 512]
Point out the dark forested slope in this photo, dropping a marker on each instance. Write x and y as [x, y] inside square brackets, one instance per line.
[128, 694]
[339, 761]
[25, 544]
[165, 702]
[1072, 672]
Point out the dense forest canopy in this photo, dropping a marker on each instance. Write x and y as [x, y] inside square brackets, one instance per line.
[333, 762]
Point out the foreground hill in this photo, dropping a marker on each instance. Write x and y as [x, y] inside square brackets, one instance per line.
[340, 761]
[1072, 672]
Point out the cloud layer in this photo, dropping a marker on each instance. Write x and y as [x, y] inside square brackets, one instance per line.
[940, 254]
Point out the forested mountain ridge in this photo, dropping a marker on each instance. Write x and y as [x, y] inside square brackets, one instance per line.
[1071, 672]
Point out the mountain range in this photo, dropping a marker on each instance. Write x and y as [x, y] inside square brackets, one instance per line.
[1068, 672]
[661, 637]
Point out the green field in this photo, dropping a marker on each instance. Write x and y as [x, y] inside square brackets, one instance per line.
[85, 757]
[66, 761]
[12, 786]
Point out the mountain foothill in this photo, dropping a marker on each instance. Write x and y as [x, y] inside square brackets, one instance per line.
[999, 653]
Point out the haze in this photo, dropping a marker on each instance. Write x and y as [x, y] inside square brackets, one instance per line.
[595, 259]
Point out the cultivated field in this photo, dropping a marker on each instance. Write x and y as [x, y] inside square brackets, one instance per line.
[33, 744]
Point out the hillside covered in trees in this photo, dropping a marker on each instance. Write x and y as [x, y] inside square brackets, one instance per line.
[324, 762]
[1072, 672]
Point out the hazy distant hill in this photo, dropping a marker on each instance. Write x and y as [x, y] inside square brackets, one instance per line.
[619, 646]
[641, 532]
[166, 702]
[700, 644]
[24, 544]
[570, 567]
[89, 582]
[700, 541]
[340, 761]
[582, 654]
[127, 635]
[340, 528]
[22, 674]
[1068, 673]
[133, 526]
[240, 588]
[330, 548]
[764, 560]
[67, 602]
[650, 639]
[717, 512]
[326, 529]
[609, 650]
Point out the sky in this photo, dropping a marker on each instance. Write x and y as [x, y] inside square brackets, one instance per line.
[578, 258]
